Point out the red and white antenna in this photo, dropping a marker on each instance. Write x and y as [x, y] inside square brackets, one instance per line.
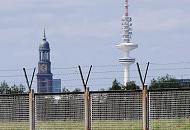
[126, 46]
[126, 8]
[126, 24]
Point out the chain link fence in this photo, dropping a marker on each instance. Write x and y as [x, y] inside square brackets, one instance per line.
[116, 110]
[59, 111]
[14, 112]
[169, 110]
[113, 110]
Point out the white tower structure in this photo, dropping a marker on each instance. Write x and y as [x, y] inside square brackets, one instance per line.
[126, 45]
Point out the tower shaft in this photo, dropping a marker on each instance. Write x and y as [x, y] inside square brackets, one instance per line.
[126, 74]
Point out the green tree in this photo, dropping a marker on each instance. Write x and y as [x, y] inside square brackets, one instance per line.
[165, 82]
[116, 85]
[65, 90]
[77, 90]
[6, 89]
[22, 88]
[17, 89]
[131, 86]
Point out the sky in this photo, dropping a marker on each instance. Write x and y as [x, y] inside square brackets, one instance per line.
[85, 32]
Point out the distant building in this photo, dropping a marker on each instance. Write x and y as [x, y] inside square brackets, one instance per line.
[56, 85]
[44, 76]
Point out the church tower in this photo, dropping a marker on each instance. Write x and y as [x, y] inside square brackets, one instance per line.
[44, 75]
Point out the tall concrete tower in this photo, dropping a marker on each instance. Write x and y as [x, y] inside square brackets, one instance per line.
[126, 45]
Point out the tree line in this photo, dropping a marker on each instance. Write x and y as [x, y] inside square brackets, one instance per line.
[5, 88]
[163, 82]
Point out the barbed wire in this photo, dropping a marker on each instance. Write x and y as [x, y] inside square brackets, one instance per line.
[135, 78]
[171, 63]
[103, 72]
[98, 66]
[101, 75]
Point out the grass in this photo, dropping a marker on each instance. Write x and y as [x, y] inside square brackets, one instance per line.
[117, 125]
[16, 125]
[170, 124]
[60, 125]
[159, 124]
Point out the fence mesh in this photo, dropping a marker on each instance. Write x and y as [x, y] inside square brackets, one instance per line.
[169, 110]
[59, 112]
[116, 111]
[14, 112]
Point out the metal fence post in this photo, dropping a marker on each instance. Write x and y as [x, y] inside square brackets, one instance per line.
[87, 109]
[145, 108]
[31, 110]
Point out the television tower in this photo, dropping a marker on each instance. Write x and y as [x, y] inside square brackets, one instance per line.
[126, 45]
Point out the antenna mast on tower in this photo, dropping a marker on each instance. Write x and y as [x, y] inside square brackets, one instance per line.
[127, 24]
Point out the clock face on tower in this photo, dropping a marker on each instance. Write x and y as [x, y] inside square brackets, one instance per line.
[43, 67]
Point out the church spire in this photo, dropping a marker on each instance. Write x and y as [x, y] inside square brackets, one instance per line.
[44, 44]
[44, 34]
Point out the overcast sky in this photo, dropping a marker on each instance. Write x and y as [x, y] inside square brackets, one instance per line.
[85, 32]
